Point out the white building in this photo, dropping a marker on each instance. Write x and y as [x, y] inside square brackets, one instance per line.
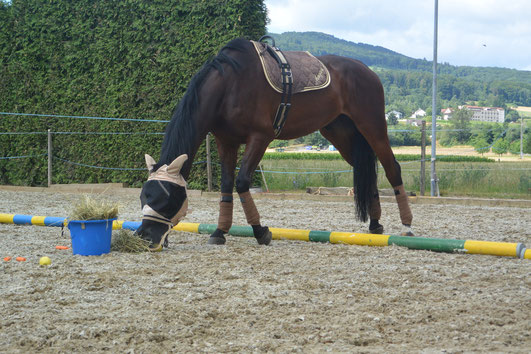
[419, 113]
[446, 113]
[397, 114]
[487, 114]
[482, 114]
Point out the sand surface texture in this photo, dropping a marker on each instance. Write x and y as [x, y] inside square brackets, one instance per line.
[291, 296]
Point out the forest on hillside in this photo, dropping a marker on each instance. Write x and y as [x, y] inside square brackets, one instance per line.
[408, 81]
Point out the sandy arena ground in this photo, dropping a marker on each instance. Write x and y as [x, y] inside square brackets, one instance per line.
[289, 297]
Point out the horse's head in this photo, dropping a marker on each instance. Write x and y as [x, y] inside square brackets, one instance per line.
[163, 199]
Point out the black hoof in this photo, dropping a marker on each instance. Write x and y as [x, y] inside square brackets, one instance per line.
[378, 230]
[375, 227]
[217, 238]
[264, 236]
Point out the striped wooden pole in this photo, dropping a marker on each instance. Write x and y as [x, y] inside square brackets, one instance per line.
[506, 249]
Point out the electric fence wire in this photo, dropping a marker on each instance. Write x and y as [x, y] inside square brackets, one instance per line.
[487, 148]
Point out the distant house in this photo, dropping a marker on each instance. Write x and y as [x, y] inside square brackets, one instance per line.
[446, 113]
[415, 122]
[486, 114]
[397, 114]
[419, 113]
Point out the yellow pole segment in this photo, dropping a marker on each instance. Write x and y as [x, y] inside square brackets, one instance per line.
[527, 254]
[290, 234]
[492, 248]
[6, 218]
[38, 220]
[117, 224]
[359, 239]
[187, 227]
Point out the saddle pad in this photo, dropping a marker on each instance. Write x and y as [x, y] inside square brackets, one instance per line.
[309, 73]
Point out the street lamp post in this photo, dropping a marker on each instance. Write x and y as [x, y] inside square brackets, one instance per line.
[434, 184]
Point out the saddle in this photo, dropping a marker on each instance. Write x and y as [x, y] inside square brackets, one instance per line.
[290, 73]
[308, 72]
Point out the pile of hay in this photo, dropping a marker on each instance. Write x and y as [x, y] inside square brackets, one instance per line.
[89, 208]
[126, 241]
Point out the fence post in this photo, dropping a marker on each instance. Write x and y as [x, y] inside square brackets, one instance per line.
[49, 158]
[209, 163]
[521, 138]
[423, 158]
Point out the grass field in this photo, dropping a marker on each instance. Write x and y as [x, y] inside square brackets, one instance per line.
[504, 179]
[524, 111]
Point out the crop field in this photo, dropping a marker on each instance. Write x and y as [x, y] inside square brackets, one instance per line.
[507, 178]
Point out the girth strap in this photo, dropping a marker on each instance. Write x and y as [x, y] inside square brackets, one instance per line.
[287, 86]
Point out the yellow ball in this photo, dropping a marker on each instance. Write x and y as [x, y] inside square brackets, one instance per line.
[44, 261]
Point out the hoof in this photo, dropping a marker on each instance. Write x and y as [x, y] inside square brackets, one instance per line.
[406, 231]
[377, 230]
[265, 236]
[217, 238]
[375, 227]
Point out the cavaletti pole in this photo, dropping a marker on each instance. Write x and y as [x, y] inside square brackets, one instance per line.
[506, 249]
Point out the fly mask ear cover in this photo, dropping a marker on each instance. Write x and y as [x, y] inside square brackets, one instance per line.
[164, 194]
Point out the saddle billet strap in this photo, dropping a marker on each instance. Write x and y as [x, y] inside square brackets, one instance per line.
[287, 86]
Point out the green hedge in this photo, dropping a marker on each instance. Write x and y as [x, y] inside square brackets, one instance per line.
[128, 59]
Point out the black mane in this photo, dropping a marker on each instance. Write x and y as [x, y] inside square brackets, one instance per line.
[180, 135]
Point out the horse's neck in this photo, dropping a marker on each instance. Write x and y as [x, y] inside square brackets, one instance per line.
[187, 167]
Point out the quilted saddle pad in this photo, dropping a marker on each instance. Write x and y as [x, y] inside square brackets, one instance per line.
[309, 73]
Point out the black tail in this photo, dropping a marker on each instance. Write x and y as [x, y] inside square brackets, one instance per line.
[365, 175]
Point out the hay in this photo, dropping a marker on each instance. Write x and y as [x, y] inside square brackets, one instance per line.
[89, 208]
[126, 241]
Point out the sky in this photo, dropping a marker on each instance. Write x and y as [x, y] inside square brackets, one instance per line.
[470, 32]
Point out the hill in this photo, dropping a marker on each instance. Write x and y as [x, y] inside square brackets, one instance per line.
[408, 80]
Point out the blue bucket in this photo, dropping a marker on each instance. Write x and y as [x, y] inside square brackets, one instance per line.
[91, 237]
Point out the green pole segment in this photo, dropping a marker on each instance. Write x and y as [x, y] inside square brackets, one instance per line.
[246, 231]
[319, 236]
[423, 243]
[235, 230]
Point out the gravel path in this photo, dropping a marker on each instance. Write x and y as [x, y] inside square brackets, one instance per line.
[288, 297]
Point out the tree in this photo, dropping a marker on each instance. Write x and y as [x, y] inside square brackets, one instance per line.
[500, 147]
[512, 116]
[461, 124]
[392, 119]
[459, 131]
[480, 144]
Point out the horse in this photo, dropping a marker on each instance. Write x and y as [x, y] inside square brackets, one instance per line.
[230, 98]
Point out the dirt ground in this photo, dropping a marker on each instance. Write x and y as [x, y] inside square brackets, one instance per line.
[291, 296]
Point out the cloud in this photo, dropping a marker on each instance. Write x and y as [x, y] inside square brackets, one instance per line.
[471, 32]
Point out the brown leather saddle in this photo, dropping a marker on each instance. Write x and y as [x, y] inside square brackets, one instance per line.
[290, 73]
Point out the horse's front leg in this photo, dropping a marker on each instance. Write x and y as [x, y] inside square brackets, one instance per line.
[254, 151]
[228, 156]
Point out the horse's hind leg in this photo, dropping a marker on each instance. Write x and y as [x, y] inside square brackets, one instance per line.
[254, 150]
[342, 133]
[376, 135]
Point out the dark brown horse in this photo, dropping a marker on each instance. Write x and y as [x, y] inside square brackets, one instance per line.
[231, 98]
